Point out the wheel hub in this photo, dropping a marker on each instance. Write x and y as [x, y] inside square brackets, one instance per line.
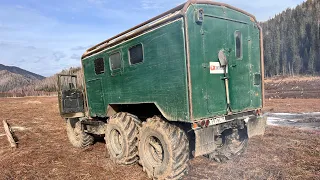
[116, 141]
[156, 150]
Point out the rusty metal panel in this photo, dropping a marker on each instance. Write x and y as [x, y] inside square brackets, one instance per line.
[204, 141]
[256, 126]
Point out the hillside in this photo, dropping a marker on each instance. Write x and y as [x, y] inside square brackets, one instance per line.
[47, 86]
[24, 73]
[291, 41]
[13, 77]
[9, 80]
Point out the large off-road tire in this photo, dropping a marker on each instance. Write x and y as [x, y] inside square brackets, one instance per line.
[163, 149]
[76, 136]
[122, 138]
[234, 143]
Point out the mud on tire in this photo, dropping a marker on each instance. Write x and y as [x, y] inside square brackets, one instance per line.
[234, 143]
[163, 149]
[122, 138]
[76, 136]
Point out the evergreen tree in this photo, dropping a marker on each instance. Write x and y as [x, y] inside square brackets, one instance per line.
[292, 41]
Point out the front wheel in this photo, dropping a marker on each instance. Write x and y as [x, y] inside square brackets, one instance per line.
[163, 149]
[122, 138]
[77, 137]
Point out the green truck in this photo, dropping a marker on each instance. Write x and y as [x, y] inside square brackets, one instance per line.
[183, 84]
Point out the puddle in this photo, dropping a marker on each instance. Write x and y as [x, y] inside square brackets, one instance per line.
[300, 120]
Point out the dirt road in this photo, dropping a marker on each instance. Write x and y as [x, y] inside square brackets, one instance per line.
[45, 153]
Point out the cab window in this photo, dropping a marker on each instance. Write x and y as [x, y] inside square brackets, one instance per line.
[238, 41]
[136, 54]
[115, 61]
[99, 66]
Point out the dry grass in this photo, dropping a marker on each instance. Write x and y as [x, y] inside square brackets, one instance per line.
[292, 105]
[293, 87]
[45, 153]
[283, 153]
[279, 79]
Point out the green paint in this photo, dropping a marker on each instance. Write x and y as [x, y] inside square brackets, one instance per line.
[162, 76]
[215, 33]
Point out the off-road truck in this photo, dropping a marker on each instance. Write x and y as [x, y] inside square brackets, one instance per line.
[183, 84]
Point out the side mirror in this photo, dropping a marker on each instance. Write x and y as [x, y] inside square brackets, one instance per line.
[222, 58]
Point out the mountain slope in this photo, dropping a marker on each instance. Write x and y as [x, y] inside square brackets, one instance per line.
[13, 77]
[24, 73]
[47, 85]
[291, 41]
[9, 80]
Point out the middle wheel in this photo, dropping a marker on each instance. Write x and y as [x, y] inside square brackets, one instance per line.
[121, 138]
[163, 149]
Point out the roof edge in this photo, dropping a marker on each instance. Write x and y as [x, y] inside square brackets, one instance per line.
[183, 8]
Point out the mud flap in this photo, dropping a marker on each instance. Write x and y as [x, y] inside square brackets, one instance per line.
[256, 126]
[204, 141]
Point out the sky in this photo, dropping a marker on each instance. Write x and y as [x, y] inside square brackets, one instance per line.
[46, 36]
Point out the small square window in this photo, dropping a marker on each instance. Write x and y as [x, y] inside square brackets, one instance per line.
[136, 54]
[238, 38]
[257, 79]
[115, 61]
[99, 66]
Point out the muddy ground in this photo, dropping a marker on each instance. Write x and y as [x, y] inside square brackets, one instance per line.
[45, 153]
[292, 87]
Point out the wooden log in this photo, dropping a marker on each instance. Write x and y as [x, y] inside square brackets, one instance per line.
[8, 132]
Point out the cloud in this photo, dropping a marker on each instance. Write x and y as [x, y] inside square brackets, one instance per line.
[31, 47]
[39, 59]
[159, 4]
[75, 57]
[149, 4]
[54, 34]
[82, 48]
[58, 55]
[21, 61]
[97, 2]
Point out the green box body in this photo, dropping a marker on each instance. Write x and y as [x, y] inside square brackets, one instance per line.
[175, 73]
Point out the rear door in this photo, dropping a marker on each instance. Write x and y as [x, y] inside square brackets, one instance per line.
[213, 33]
[240, 67]
[231, 37]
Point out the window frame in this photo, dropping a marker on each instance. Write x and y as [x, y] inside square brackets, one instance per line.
[241, 44]
[104, 68]
[112, 53]
[129, 58]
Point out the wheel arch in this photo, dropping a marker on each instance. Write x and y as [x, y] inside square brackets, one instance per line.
[142, 110]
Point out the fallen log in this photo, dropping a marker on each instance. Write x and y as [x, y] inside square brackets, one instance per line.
[9, 135]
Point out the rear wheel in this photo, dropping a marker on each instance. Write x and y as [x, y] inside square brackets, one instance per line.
[233, 143]
[122, 138]
[163, 150]
[77, 137]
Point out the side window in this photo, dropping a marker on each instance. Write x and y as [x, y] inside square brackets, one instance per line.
[99, 66]
[115, 61]
[136, 54]
[238, 39]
